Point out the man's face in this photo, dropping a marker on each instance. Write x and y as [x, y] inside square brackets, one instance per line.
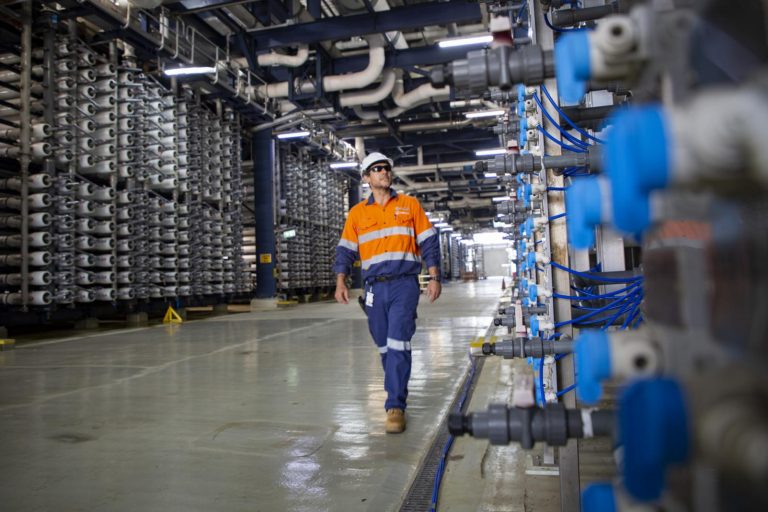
[379, 175]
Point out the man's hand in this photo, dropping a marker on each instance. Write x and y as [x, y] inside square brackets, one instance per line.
[433, 290]
[342, 292]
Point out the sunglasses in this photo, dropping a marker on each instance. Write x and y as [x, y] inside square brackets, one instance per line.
[378, 168]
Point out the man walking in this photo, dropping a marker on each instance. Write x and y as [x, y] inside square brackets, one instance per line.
[392, 234]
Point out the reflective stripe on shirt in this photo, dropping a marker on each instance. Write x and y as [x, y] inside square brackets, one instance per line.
[391, 256]
[381, 233]
[425, 234]
[352, 246]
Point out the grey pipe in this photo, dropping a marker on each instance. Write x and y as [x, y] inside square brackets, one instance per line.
[568, 17]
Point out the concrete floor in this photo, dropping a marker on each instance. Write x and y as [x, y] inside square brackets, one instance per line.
[266, 411]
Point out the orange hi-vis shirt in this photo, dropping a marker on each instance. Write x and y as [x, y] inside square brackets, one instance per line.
[391, 240]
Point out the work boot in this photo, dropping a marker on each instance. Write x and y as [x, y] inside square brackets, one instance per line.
[395, 423]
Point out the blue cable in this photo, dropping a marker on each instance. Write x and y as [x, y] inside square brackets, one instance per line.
[449, 442]
[628, 308]
[558, 216]
[593, 277]
[615, 304]
[579, 319]
[563, 131]
[631, 317]
[562, 145]
[557, 189]
[520, 12]
[541, 381]
[568, 119]
[607, 295]
[566, 390]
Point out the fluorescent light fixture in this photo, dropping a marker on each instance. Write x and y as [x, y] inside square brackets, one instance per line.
[466, 41]
[484, 113]
[343, 165]
[440, 225]
[292, 135]
[490, 152]
[491, 175]
[500, 199]
[447, 230]
[192, 70]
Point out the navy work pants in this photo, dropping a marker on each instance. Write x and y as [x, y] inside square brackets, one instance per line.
[392, 322]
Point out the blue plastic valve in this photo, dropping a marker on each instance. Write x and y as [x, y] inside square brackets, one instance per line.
[637, 161]
[653, 426]
[529, 226]
[572, 66]
[533, 291]
[593, 364]
[531, 260]
[534, 324]
[598, 498]
[523, 131]
[583, 202]
[521, 100]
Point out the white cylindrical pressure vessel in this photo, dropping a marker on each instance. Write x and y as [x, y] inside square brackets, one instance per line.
[103, 260]
[84, 260]
[40, 200]
[39, 239]
[39, 259]
[104, 277]
[126, 294]
[40, 220]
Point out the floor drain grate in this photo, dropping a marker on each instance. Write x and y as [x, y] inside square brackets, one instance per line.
[419, 497]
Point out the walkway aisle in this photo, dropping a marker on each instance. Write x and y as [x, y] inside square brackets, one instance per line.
[257, 411]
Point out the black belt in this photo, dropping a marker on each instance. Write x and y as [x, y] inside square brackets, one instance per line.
[383, 279]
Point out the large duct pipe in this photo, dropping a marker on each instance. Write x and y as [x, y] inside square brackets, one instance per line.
[332, 83]
[370, 97]
[281, 59]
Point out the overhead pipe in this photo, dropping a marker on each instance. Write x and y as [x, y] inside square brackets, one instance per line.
[281, 59]
[370, 97]
[332, 83]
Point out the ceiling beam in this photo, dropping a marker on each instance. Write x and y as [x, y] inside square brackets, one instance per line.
[344, 27]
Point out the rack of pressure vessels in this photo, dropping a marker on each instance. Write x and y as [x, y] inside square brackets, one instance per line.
[135, 190]
[622, 177]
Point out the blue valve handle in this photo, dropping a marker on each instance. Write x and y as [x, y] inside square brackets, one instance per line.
[637, 162]
[583, 202]
[572, 66]
[598, 498]
[653, 426]
[593, 364]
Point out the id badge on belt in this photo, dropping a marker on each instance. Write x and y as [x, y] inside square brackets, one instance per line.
[369, 299]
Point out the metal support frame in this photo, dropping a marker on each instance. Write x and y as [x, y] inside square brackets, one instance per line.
[25, 120]
[343, 27]
[570, 493]
[263, 154]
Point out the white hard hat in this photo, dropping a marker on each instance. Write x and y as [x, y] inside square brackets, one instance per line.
[374, 158]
